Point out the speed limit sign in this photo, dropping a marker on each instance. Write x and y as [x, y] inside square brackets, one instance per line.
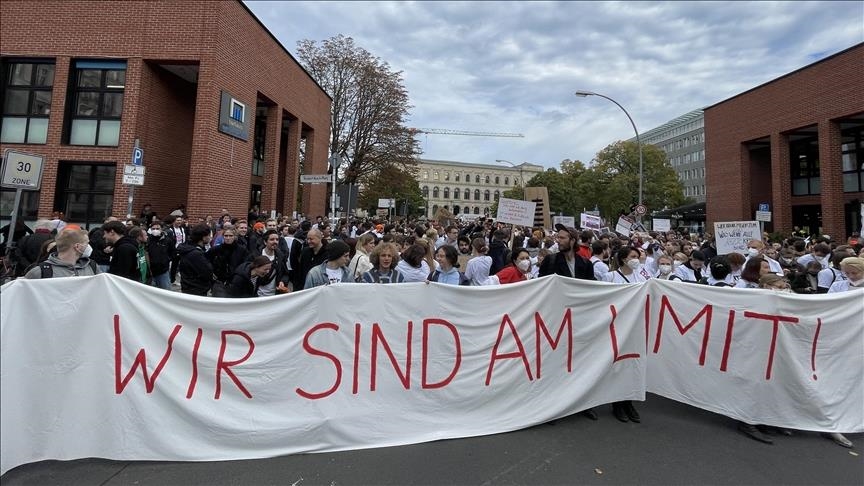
[641, 209]
[22, 171]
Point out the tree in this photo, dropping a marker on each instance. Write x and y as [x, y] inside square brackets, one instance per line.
[615, 179]
[369, 109]
[392, 181]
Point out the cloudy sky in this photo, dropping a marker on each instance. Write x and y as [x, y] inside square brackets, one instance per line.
[513, 66]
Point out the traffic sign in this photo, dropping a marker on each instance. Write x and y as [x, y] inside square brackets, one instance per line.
[133, 179]
[130, 169]
[22, 170]
[641, 209]
[315, 178]
[137, 156]
[763, 215]
[764, 207]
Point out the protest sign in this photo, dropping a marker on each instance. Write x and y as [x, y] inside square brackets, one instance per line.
[662, 225]
[517, 212]
[90, 372]
[625, 225]
[589, 221]
[733, 236]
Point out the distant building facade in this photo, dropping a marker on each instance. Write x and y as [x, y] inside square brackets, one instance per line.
[467, 188]
[683, 140]
[795, 143]
[226, 117]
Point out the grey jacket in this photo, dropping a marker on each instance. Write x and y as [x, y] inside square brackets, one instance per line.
[318, 276]
[81, 268]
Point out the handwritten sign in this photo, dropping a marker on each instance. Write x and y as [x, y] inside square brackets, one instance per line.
[516, 212]
[662, 225]
[733, 236]
[625, 226]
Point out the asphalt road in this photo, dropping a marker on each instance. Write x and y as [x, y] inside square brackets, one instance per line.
[674, 444]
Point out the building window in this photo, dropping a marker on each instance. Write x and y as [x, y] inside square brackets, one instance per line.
[852, 155]
[96, 102]
[446, 193]
[425, 175]
[497, 195]
[497, 180]
[260, 142]
[476, 210]
[487, 179]
[486, 195]
[804, 158]
[29, 204]
[435, 192]
[476, 194]
[85, 192]
[457, 176]
[27, 88]
[455, 193]
[446, 176]
[467, 194]
[434, 209]
[425, 191]
[435, 175]
[477, 179]
[506, 180]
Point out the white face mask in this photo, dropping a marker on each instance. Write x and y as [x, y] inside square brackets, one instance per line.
[524, 265]
[633, 263]
[88, 250]
[664, 269]
[155, 232]
[752, 252]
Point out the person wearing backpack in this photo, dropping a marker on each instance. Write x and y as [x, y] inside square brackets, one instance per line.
[71, 259]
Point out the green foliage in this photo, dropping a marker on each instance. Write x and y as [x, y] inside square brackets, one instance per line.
[392, 181]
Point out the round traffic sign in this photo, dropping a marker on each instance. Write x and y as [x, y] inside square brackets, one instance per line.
[641, 209]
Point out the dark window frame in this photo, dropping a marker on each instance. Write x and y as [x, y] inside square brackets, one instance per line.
[76, 74]
[32, 88]
[63, 191]
[804, 165]
[854, 137]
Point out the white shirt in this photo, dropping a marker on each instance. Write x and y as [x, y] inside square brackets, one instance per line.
[600, 268]
[638, 276]
[270, 288]
[413, 274]
[829, 276]
[477, 269]
[805, 259]
[334, 275]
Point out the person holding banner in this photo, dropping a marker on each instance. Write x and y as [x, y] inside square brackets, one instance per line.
[691, 271]
[753, 269]
[665, 264]
[478, 267]
[566, 262]
[629, 268]
[448, 272]
[382, 259]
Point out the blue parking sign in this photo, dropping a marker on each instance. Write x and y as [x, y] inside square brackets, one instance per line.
[137, 156]
[764, 207]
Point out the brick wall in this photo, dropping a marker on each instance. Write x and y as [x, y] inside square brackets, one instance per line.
[188, 160]
[815, 95]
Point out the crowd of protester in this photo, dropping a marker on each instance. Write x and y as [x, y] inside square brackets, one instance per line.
[256, 256]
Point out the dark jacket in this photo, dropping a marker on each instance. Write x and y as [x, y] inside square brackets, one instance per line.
[240, 284]
[226, 259]
[161, 250]
[30, 247]
[308, 261]
[557, 264]
[278, 271]
[498, 252]
[124, 259]
[196, 272]
[293, 252]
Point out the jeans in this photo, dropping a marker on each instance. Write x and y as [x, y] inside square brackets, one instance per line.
[162, 281]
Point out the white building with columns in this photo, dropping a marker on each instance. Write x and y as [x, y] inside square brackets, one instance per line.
[463, 187]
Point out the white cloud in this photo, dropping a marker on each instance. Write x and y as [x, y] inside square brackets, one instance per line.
[513, 66]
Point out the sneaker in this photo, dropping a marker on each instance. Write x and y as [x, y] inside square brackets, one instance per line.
[590, 413]
[754, 433]
[619, 412]
[838, 439]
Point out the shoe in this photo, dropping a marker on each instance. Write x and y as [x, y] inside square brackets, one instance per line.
[590, 413]
[619, 412]
[838, 439]
[754, 433]
[771, 430]
[631, 412]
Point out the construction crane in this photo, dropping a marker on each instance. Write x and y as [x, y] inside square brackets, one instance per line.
[444, 131]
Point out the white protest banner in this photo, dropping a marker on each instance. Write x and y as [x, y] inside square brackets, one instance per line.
[516, 212]
[568, 221]
[589, 221]
[733, 236]
[625, 225]
[662, 225]
[88, 371]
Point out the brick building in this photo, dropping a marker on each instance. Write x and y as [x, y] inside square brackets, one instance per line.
[226, 117]
[795, 143]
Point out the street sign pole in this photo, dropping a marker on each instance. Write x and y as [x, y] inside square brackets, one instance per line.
[334, 164]
[132, 187]
[10, 243]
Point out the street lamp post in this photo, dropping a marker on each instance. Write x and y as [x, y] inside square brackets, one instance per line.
[583, 94]
[521, 178]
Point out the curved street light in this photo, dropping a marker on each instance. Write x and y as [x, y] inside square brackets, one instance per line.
[583, 94]
[521, 178]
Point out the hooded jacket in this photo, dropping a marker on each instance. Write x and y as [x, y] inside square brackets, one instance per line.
[124, 259]
[81, 268]
[196, 272]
